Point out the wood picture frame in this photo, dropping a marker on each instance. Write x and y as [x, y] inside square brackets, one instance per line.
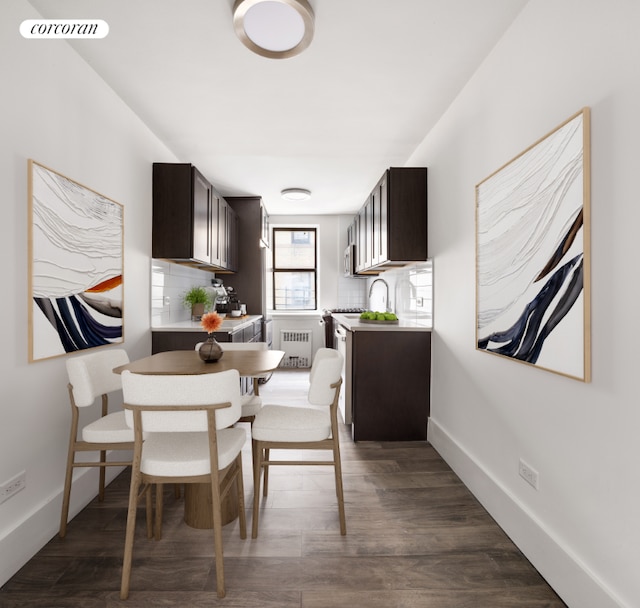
[76, 256]
[533, 254]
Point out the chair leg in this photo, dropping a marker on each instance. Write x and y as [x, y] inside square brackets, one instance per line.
[66, 496]
[337, 466]
[265, 489]
[217, 532]
[130, 534]
[103, 459]
[159, 511]
[257, 465]
[242, 512]
[149, 509]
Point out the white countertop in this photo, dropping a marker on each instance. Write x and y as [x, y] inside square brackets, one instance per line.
[353, 323]
[230, 324]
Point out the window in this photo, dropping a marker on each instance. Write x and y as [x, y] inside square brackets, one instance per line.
[294, 269]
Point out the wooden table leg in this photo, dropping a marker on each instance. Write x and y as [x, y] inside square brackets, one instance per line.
[198, 512]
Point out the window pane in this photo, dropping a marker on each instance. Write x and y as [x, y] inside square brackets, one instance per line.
[295, 290]
[294, 249]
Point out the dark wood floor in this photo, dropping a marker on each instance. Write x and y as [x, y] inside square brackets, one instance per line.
[416, 537]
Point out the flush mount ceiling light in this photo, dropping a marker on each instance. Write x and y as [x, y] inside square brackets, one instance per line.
[274, 28]
[296, 194]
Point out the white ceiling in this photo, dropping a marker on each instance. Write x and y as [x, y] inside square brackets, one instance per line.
[377, 77]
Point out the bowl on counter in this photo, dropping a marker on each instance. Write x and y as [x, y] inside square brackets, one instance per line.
[236, 313]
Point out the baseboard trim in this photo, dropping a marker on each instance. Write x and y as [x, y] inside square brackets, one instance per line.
[41, 524]
[573, 581]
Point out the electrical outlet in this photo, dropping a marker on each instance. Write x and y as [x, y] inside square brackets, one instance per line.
[529, 474]
[419, 302]
[13, 486]
[166, 301]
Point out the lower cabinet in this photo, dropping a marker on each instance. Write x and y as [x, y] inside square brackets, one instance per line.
[162, 341]
[390, 384]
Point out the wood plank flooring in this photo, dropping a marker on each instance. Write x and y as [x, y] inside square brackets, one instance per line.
[416, 537]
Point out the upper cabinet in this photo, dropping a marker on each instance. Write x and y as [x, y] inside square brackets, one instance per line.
[191, 221]
[251, 278]
[391, 227]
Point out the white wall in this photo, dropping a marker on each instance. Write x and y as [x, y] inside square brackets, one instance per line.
[56, 110]
[580, 529]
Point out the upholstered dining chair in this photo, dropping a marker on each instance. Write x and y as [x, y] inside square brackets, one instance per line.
[91, 376]
[189, 439]
[313, 426]
[251, 403]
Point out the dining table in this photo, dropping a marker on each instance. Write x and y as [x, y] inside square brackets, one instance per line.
[197, 496]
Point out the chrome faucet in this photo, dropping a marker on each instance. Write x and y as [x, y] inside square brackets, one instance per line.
[387, 287]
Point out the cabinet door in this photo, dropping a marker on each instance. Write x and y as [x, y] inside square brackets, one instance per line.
[201, 218]
[223, 232]
[232, 239]
[264, 226]
[382, 224]
[361, 249]
[214, 221]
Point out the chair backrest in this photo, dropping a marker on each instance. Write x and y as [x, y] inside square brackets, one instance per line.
[326, 370]
[182, 390]
[91, 374]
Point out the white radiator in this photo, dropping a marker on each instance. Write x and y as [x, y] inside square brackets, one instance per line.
[296, 345]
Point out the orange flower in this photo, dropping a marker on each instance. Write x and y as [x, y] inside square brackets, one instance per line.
[211, 322]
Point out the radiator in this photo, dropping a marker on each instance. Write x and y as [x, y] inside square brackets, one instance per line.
[296, 345]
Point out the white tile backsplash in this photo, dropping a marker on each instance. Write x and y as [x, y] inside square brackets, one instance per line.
[169, 282]
[410, 293]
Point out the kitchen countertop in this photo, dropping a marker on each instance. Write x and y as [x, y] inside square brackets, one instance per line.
[352, 323]
[230, 324]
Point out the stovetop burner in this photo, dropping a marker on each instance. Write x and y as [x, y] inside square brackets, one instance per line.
[343, 310]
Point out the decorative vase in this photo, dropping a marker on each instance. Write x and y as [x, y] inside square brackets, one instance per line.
[210, 351]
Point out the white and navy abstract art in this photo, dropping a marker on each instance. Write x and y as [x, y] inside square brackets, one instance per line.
[532, 248]
[75, 266]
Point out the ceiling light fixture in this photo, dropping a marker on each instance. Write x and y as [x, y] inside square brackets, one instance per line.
[276, 29]
[296, 194]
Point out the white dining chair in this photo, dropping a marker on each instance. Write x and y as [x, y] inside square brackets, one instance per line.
[251, 403]
[189, 439]
[90, 376]
[312, 426]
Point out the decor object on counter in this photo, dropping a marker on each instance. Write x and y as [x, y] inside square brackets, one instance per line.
[210, 351]
[533, 254]
[374, 316]
[75, 266]
[197, 298]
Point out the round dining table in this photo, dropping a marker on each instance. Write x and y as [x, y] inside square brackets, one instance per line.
[197, 496]
[178, 362]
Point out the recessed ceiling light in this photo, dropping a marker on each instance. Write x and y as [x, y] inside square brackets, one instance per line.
[274, 28]
[296, 194]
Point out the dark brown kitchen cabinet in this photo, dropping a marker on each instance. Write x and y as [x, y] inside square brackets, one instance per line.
[390, 384]
[162, 341]
[227, 236]
[250, 279]
[191, 221]
[391, 226]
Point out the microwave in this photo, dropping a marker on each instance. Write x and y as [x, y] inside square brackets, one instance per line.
[349, 263]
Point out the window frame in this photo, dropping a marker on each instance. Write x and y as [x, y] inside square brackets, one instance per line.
[275, 270]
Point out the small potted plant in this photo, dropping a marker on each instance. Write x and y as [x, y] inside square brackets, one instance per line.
[196, 299]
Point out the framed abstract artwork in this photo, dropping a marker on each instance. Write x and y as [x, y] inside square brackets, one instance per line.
[533, 254]
[75, 266]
